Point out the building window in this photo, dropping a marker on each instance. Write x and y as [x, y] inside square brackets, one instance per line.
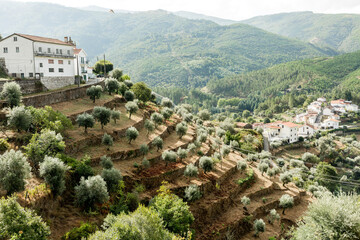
[61, 61]
[17, 49]
[49, 50]
[31, 75]
[15, 39]
[22, 75]
[40, 49]
[51, 69]
[41, 74]
[5, 50]
[51, 61]
[69, 62]
[57, 51]
[61, 51]
[41, 64]
[61, 70]
[68, 52]
[82, 60]
[13, 74]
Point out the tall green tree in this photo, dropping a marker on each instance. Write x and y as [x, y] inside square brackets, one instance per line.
[99, 66]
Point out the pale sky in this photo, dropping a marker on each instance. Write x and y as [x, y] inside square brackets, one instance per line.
[229, 9]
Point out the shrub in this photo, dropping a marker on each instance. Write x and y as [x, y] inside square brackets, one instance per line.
[296, 163]
[181, 129]
[192, 193]
[111, 85]
[14, 170]
[53, 171]
[245, 201]
[175, 212]
[106, 162]
[144, 223]
[202, 138]
[47, 143]
[259, 226]
[270, 172]
[129, 96]
[128, 83]
[330, 217]
[79, 168]
[17, 222]
[191, 171]
[144, 149]
[191, 147]
[169, 156]
[157, 118]
[158, 143]
[115, 115]
[81, 232]
[117, 74]
[241, 165]
[273, 215]
[131, 108]
[107, 140]
[285, 178]
[204, 115]
[131, 134]
[149, 126]
[85, 120]
[90, 191]
[206, 163]
[182, 153]
[94, 92]
[234, 144]
[4, 145]
[112, 177]
[165, 102]
[19, 118]
[122, 88]
[102, 115]
[220, 132]
[263, 167]
[225, 150]
[309, 157]
[141, 91]
[145, 163]
[166, 112]
[286, 201]
[11, 92]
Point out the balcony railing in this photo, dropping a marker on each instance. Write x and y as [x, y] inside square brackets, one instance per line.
[54, 55]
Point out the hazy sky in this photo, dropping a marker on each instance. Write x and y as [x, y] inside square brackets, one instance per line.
[230, 9]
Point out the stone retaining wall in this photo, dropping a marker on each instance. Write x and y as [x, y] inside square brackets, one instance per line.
[52, 83]
[28, 86]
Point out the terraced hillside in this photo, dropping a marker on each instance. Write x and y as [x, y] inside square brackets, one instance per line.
[219, 213]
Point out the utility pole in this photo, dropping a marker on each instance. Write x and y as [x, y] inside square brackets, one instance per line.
[104, 66]
[78, 74]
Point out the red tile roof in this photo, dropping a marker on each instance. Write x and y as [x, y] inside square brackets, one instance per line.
[43, 39]
[332, 120]
[77, 50]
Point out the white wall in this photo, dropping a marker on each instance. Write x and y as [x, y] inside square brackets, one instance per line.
[21, 62]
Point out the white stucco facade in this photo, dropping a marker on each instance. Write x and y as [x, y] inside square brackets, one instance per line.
[81, 66]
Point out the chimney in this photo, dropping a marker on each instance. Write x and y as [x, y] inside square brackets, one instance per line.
[66, 39]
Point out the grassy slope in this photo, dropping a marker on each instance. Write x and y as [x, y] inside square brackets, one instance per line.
[312, 75]
[339, 31]
[157, 47]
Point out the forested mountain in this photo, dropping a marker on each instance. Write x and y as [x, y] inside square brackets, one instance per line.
[158, 47]
[197, 16]
[339, 31]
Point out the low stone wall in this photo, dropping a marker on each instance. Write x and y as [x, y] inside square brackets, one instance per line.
[28, 86]
[52, 83]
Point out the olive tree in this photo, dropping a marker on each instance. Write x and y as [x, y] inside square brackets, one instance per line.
[263, 167]
[128, 83]
[191, 171]
[90, 191]
[53, 171]
[19, 118]
[245, 201]
[85, 120]
[167, 112]
[166, 102]
[169, 156]
[141, 91]
[149, 126]
[102, 115]
[259, 226]
[286, 201]
[241, 165]
[309, 157]
[106, 162]
[115, 115]
[14, 170]
[144, 149]
[131, 134]
[107, 140]
[112, 177]
[181, 129]
[206, 163]
[129, 96]
[158, 143]
[111, 85]
[273, 216]
[122, 88]
[192, 193]
[11, 92]
[94, 92]
[131, 108]
[117, 74]
[182, 153]
[204, 115]
[285, 178]
[157, 118]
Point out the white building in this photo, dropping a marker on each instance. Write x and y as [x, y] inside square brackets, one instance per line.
[327, 112]
[81, 67]
[282, 131]
[48, 59]
[330, 123]
[306, 131]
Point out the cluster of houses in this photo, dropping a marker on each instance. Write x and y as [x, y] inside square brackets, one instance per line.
[54, 62]
[320, 115]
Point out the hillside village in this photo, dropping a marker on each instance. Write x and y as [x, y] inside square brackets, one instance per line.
[90, 153]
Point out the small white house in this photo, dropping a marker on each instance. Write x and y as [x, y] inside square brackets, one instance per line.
[327, 112]
[330, 123]
[48, 59]
[81, 67]
[282, 131]
[321, 99]
[306, 131]
[351, 107]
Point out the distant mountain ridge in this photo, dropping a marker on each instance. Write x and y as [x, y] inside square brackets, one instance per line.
[339, 31]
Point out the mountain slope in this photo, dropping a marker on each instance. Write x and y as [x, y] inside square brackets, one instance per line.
[339, 31]
[156, 46]
[197, 16]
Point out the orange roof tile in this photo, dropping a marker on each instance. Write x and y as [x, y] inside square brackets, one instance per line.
[290, 124]
[332, 120]
[77, 50]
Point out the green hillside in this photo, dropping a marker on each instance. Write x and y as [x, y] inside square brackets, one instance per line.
[156, 46]
[339, 31]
